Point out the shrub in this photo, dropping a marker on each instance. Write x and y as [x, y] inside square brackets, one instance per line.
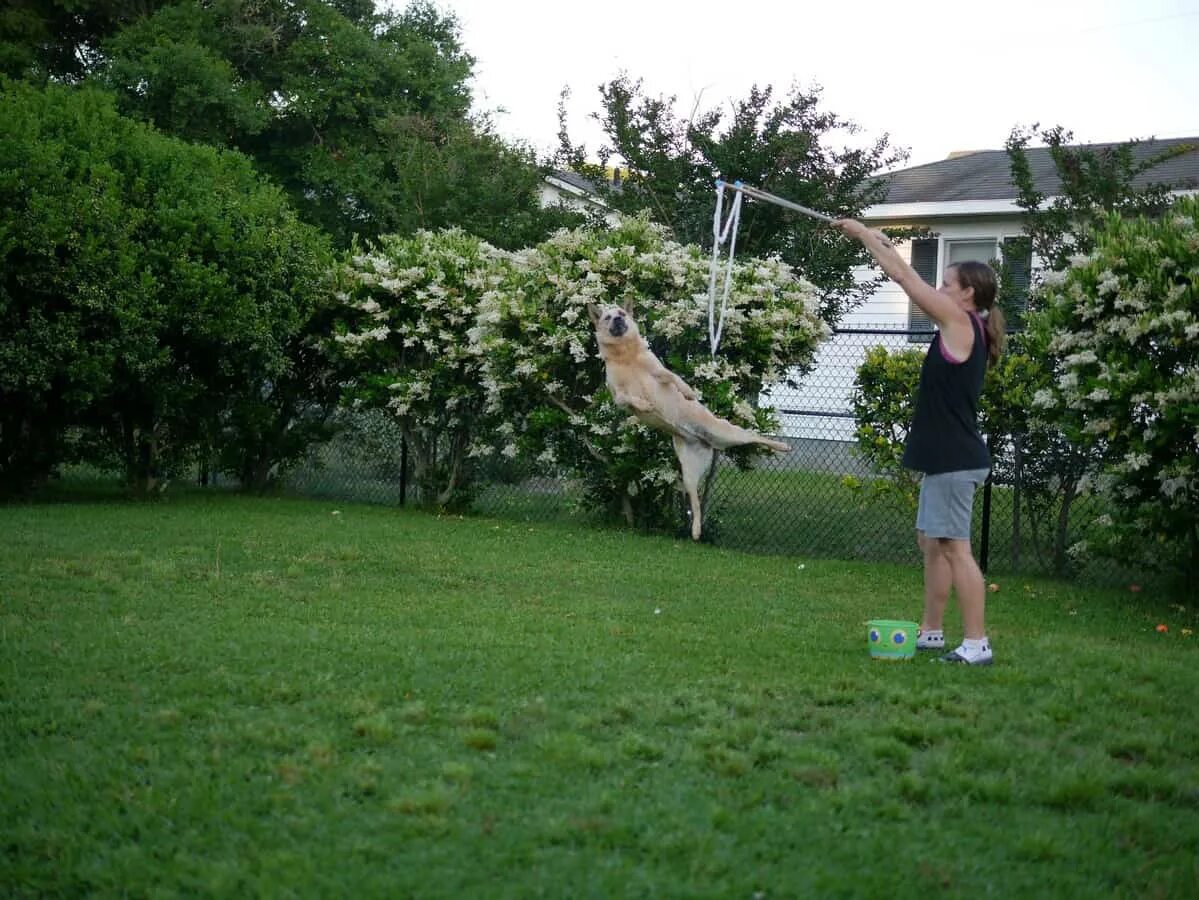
[1123, 321]
[545, 382]
[407, 312]
[883, 402]
[147, 285]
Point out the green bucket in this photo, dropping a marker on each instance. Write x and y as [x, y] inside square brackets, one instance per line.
[891, 639]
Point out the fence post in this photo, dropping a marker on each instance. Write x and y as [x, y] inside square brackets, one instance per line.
[403, 470]
[1017, 498]
[984, 551]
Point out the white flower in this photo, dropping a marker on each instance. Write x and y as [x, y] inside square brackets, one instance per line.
[1135, 461]
[743, 410]
[1043, 399]
[1068, 381]
[1080, 359]
[1172, 486]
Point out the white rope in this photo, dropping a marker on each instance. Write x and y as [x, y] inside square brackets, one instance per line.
[727, 230]
[721, 232]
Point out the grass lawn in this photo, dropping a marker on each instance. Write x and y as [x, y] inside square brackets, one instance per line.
[232, 697]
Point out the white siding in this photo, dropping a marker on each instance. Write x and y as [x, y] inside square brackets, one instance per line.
[830, 384]
[553, 193]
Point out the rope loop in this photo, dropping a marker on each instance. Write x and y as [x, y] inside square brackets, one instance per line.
[722, 230]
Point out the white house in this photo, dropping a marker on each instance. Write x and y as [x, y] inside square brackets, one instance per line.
[574, 191]
[968, 202]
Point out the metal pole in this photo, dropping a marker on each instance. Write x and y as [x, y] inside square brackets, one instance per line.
[984, 552]
[772, 198]
[403, 469]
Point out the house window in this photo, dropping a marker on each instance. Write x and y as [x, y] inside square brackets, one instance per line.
[930, 259]
[986, 251]
[1015, 278]
[924, 261]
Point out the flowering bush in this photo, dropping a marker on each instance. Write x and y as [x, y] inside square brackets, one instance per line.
[1123, 323]
[1030, 455]
[544, 380]
[407, 308]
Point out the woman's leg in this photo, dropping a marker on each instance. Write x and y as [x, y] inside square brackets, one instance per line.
[967, 580]
[938, 579]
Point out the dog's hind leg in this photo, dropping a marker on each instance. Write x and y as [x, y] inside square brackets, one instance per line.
[723, 434]
[694, 460]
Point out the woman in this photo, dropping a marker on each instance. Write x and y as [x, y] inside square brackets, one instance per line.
[944, 442]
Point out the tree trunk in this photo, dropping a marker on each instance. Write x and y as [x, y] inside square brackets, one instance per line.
[1060, 560]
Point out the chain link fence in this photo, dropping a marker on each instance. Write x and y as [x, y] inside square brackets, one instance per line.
[813, 501]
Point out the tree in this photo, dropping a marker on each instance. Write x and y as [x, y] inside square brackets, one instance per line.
[781, 147]
[1123, 324]
[361, 116]
[1093, 182]
[148, 285]
[52, 39]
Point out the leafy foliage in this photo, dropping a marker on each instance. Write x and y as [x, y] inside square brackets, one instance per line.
[1123, 322]
[545, 381]
[1092, 183]
[148, 286]
[361, 115]
[44, 40]
[782, 147]
[883, 402]
[407, 313]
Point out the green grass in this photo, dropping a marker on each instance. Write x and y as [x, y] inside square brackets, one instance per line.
[799, 512]
[233, 697]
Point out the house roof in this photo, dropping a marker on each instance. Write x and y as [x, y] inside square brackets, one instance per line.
[575, 180]
[986, 174]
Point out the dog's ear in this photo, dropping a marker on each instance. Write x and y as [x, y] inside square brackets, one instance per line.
[593, 313]
[630, 307]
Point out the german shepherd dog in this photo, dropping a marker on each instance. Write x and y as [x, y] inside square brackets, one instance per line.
[662, 400]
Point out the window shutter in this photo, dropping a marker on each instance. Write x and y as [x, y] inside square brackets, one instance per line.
[924, 261]
[1017, 264]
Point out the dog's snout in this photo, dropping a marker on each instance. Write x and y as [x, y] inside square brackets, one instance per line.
[618, 327]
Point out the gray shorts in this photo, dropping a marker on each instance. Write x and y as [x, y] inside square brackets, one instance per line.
[947, 503]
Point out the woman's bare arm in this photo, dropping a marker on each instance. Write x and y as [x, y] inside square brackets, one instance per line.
[936, 306]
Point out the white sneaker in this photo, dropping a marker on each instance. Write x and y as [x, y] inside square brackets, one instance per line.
[935, 641]
[980, 657]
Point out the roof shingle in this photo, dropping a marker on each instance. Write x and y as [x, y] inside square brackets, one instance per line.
[986, 175]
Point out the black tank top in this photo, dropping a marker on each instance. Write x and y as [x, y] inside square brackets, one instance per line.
[944, 436]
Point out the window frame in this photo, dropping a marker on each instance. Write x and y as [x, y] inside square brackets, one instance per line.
[917, 319]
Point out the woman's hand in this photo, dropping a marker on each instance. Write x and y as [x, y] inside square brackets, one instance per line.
[855, 229]
[851, 227]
